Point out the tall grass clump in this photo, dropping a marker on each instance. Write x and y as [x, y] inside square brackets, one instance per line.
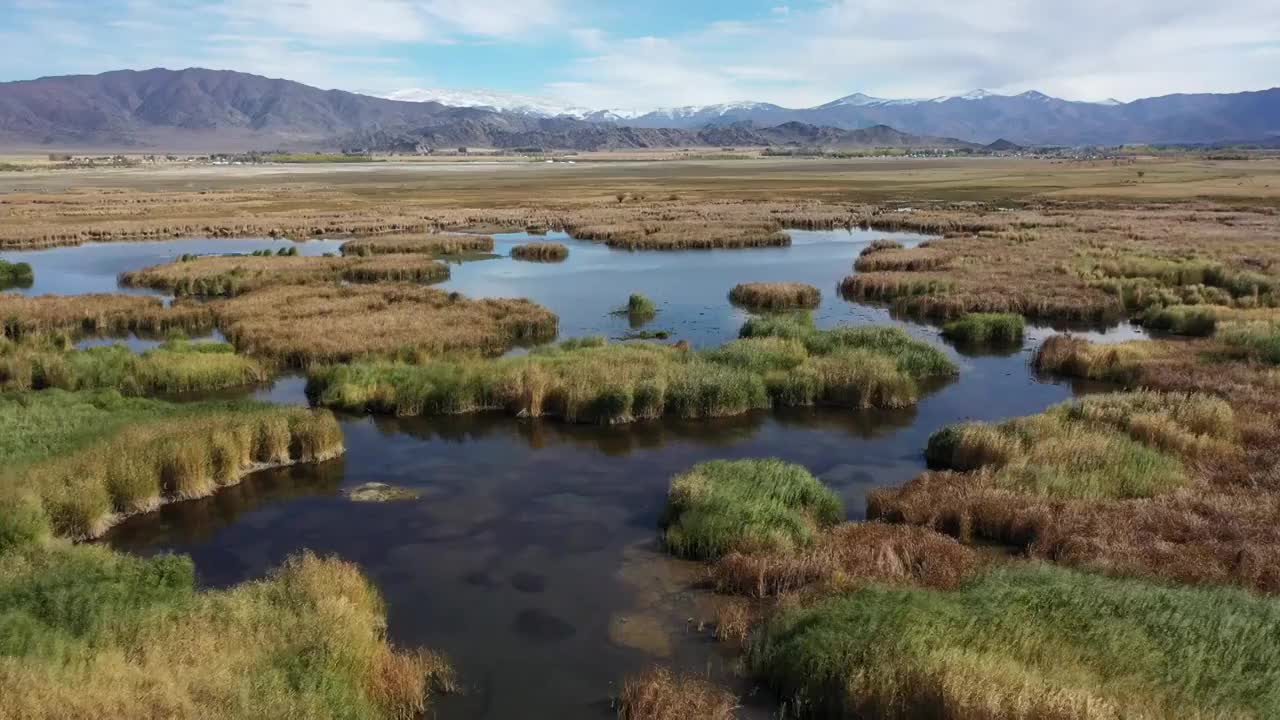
[986, 329]
[435, 244]
[87, 460]
[1103, 447]
[746, 505]
[660, 694]
[640, 307]
[541, 252]
[1258, 339]
[1181, 320]
[775, 295]
[916, 358]
[880, 245]
[74, 316]
[1075, 356]
[15, 275]
[86, 632]
[177, 366]
[619, 383]
[1027, 641]
[846, 557]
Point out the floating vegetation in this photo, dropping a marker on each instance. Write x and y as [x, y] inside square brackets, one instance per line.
[775, 296]
[541, 252]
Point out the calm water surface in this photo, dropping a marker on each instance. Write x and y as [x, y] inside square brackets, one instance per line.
[531, 557]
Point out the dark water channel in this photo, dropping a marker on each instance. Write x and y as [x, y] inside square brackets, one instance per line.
[530, 558]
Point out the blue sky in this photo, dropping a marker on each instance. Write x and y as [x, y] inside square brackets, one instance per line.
[601, 54]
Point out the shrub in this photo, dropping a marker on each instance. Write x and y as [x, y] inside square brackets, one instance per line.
[15, 275]
[746, 505]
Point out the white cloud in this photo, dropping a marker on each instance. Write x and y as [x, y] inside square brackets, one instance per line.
[1085, 49]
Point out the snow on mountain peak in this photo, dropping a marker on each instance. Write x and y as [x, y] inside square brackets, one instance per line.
[527, 104]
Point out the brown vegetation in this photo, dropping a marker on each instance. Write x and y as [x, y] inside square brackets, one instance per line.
[303, 325]
[775, 295]
[23, 316]
[849, 556]
[1217, 528]
[683, 234]
[660, 694]
[434, 244]
[540, 252]
[230, 276]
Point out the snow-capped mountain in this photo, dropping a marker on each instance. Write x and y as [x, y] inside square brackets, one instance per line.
[507, 102]
[1031, 117]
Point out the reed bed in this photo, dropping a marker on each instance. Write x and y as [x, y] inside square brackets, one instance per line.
[541, 252]
[986, 329]
[434, 244]
[77, 463]
[1075, 356]
[880, 245]
[775, 296]
[75, 316]
[1193, 320]
[92, 633]
[597, 382]
[847, 557]
[15, 275]
[919, 259]
[748, 506]
[1105, 447]
[663, 234]
[660, 694]
[1257, 340]
[177, 366]
[230, 276]
[301, 326]
[1026, 641]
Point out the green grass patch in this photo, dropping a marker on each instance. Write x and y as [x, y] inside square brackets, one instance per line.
[746, 505]
[1194, 320]
[15, 275]
[595, 382]
[75, 463]
[1258, 339]
[87, 632]
[177, 366]
[1115, 446]
[916, 358]
[986, 329]
[1027, 641]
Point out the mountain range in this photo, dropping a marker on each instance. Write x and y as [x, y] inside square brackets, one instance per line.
[224, 110]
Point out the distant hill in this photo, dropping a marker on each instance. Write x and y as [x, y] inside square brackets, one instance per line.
[197, 109]
[570, 134]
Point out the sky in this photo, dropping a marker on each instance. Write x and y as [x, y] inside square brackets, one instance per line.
[660, 53]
